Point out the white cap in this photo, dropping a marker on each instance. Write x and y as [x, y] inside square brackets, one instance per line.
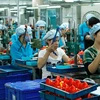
[40, 23]
[94, 29]
[50, 35]
[64, 26]
[20, 30]
[88, 16]
[29, 29]
[0, 26]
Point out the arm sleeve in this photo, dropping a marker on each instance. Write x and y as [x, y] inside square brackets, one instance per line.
[87, 59]
[86, 68]
[41, 53]
[15, 54]
[61, 52]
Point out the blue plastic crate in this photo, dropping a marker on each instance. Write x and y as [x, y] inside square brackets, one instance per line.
[46, 96]
[64, 69]
[28, 62]
[31, 63]
[9, 69]
[19, 61]
[92, 87]
[12, 78]
[4, 57]
[2, 73]
[28, 90]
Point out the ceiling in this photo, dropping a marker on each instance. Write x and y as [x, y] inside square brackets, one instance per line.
[10, 3]
[28, 3]
[76, 2]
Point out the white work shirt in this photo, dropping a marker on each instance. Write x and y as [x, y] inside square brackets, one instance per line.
[51, 60]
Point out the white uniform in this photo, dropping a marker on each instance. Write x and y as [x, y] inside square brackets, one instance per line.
[51, 60]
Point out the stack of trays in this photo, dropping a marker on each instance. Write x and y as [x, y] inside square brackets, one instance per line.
[58, 94]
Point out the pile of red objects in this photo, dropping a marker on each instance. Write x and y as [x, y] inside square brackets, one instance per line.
[67, 84]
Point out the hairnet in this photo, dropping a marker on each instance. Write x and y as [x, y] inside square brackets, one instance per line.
[40, 23]
[94, 29]
[0, 27]
[29, 30]
[20, 30]
[50, 35]
[64, 26]
[88, 16]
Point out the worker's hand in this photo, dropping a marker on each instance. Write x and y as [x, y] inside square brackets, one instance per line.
[78, 57]
[51, 48]
[88, 37]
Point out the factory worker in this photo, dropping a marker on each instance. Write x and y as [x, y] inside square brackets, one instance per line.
[83, 29]
[51, 55]
[4, 38]
[91, 55]
[87, 39]
[14, 37]
[21, 48]
[40, 27]
[63, 28]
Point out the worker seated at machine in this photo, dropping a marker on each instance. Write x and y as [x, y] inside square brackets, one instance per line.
[21, 48]
[51, 55]
[63, 28]
[40, 27]
[91, 55]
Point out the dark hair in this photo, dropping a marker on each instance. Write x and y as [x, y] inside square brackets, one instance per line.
[92, 21]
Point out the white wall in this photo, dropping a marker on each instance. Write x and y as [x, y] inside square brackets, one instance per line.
[86, 9]
[69, 13]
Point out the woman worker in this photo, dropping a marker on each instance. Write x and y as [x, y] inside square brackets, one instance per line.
[63, 28]
[91, 55]
[21, 49]
[47, 56]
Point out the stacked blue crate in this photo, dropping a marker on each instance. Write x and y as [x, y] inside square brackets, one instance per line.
[28, 90]
[9, 74]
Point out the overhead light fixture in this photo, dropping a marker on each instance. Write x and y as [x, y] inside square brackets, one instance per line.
[69, 0]
[96, 3]
[32, 7]
[54, 7]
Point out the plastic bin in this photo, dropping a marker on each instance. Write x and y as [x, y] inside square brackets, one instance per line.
[12, 78]
[28, 90]
[64, 69]
[2, 73]
[4, 57]
[46, 96]
[92, 87]
[29, 62]
[9, 69]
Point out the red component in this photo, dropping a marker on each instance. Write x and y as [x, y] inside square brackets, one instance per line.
[72, 89]
[66, 80]
[85, 85]
[48, 81]
[71, 81]
[78, 98]
[5, 51]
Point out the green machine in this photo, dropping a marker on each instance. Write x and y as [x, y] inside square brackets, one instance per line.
[36, 43]
[72, 44]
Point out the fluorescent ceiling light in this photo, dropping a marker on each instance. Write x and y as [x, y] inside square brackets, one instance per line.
[43, 5]
[69, 0]
[54, 7]
[13, 11]
[32, 7]
[96, 3]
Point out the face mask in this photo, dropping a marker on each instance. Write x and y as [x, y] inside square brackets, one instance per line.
[27, 39]
[41, 31]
